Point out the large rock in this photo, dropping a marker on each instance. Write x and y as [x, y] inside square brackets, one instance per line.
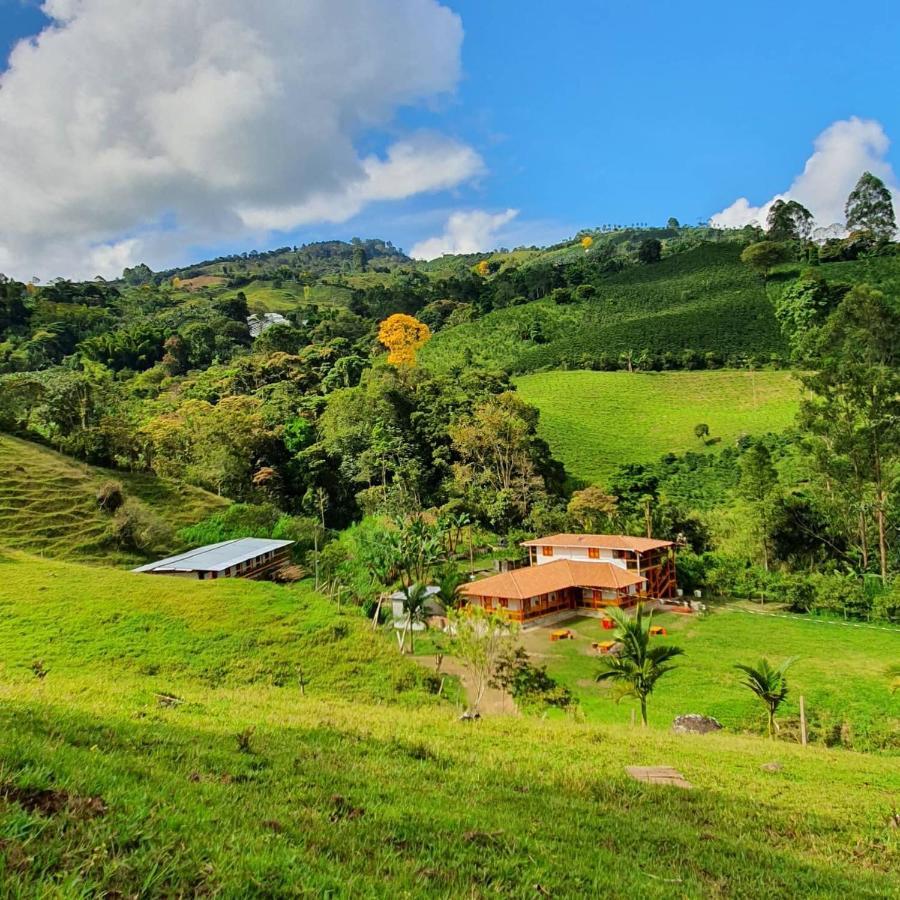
[693, 723]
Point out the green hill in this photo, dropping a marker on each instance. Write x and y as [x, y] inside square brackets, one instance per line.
[163, 747]
[597, 421]
[702, 299]
[48, 505]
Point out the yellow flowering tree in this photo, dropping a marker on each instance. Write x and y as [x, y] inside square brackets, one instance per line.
[483, 269]
[403, 335]
[587, 241]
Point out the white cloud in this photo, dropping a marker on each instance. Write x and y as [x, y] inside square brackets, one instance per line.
[465, 232]
[842, 152]
[129, 128]
[420, 164]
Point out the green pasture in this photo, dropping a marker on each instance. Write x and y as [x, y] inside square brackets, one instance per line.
[48, 504]
[841, 670]
[164, 737]
[597, 421]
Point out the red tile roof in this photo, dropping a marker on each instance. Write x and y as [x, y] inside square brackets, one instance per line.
[532, 581]
[601, 541]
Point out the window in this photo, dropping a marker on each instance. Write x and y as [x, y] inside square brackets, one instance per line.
[546, 551]
[593, 553]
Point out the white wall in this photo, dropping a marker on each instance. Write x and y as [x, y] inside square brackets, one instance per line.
[578, 554]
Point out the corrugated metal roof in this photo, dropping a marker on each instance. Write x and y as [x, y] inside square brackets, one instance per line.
[532, 581]
[601, 541]
[215, 557]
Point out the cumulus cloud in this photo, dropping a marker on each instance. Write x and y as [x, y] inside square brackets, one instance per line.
[841, 153]
[465, 232]
[132, 128]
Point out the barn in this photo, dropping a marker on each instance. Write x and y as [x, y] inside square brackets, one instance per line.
[238, 558]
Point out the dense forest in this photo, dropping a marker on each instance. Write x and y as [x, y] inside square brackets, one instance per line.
[314, 432]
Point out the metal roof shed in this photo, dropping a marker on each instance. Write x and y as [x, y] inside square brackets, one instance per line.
[241, 557]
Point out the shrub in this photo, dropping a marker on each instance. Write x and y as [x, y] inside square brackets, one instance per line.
[530, 685]
[135, 527]
[110, 497]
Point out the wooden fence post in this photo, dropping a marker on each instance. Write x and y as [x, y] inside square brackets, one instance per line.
[802, 721]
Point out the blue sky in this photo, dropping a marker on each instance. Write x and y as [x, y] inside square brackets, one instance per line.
[610, 113]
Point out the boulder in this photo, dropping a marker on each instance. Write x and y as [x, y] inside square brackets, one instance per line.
[693, 723]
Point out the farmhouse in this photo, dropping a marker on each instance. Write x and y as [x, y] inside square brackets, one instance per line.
[239, 558]
[653, 559]
[584, 572]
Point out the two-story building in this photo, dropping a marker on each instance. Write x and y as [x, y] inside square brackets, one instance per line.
[579, 572]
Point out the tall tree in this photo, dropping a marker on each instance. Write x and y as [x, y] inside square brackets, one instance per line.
[593, 509]
[639, 664]
[403, 335]
[854, 401]
[870, 208]
[650, 251]
[503, 464]
[789, 221]
[759, 486]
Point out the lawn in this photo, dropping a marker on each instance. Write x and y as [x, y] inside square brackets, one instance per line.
[167, 752]
[841, 670]
[48, 504]
[597, 421]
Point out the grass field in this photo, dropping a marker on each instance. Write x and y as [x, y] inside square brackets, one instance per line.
[165, 752]
[597, 421]
[841, 670]
[48, 503]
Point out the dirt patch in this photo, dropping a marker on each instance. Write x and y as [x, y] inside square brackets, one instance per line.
[494, 702]
[48, 802]
[658, 775]
[201, 281]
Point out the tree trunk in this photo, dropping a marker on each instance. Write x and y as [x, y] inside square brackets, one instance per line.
[643, 712]
[863, 539]
[880, 500]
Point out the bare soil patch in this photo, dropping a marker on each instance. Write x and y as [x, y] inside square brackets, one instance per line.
[494, 702]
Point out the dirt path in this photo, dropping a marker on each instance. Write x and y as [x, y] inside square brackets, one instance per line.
[494, 702]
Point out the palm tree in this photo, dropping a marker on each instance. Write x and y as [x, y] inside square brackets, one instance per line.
[415, 600]
[448, 587]
[769, 684]
[638, 665]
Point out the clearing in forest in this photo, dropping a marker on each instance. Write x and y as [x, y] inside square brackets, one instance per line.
[598, 421]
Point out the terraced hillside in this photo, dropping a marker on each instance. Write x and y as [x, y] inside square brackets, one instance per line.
[598, 421]
[703, 300]
[236, 739]
[48, 504]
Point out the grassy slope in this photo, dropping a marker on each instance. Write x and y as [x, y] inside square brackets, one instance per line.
[352, 798]
[597, 421]
[48, 503]
[840, 669]
[704, 299]
[81, 619]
